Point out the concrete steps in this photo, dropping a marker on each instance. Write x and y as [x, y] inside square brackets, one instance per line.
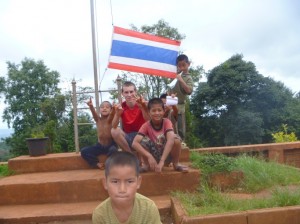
[58, 188]
[58, 212]
[60, 161]
[85, 185]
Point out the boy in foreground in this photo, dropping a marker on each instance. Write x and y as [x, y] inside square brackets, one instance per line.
[156, 140]
[105, 144]
[124, 205]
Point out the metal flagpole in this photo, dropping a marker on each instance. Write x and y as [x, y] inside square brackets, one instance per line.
[94, 56]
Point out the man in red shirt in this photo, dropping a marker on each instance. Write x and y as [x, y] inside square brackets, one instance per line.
[133, 113]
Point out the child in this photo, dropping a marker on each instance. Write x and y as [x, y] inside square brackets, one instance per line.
[156, 140]
[171, 112]
[182, 88]
[124, 205]
[105, 144]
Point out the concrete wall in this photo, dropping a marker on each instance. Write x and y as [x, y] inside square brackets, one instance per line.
[287, 153]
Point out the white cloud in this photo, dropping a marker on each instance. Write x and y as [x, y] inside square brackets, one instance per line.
[59, 33]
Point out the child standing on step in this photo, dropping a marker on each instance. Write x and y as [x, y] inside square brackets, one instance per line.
[182, 88]
[105, 145]
[156, 140]
[124, 205]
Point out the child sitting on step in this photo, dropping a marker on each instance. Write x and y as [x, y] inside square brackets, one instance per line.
[105, 145]
[124, 205]
[156, 140]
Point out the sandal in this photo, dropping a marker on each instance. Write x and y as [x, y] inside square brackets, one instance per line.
[181, 168]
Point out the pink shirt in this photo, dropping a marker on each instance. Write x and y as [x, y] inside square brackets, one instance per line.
[158, 136]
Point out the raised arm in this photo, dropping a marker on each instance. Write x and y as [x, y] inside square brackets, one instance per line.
[111, 114]
[92, 109]
[143, 106]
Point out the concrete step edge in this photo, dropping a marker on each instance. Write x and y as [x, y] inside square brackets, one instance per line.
[43, 213]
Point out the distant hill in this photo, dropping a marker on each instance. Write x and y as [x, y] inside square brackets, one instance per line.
[4, 133]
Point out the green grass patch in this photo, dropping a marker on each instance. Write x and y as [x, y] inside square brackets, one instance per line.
[211, 201]
[5, 171]
[212, 163]
[258, 175]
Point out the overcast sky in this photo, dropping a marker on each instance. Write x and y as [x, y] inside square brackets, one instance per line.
[266, 32]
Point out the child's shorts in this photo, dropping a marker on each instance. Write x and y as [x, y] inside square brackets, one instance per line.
[156, 153]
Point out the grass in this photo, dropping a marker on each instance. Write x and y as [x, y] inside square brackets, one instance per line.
[211, 201]
[5, 171]
[261, 175]
[258, 175]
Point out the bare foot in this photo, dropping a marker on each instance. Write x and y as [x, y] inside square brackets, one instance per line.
[101, 166]
[181, 168]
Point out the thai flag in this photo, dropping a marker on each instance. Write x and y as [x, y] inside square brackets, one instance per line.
[144, 53]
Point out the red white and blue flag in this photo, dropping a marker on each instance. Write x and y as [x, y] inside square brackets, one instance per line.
[143, 53]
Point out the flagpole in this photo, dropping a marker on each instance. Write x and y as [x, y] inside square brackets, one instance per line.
[94, 56]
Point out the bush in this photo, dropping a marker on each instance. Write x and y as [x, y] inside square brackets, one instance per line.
[283, 136]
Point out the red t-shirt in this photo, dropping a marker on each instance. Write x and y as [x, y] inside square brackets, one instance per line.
[132, 118]
[157, 136]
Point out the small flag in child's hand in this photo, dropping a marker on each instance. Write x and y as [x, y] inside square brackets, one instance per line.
[143, 53]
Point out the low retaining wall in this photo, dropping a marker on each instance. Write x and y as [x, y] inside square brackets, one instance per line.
[282, 215]
[287, 153]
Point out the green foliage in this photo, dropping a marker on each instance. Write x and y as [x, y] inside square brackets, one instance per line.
[87, 133]
[5, 171]
[212, 163]
[258, 175]
[4, 152]
[33, 98]
[2, 85]
[37, 132]
[237, 105]
[191, 123]
[283, 136]
[212, 201]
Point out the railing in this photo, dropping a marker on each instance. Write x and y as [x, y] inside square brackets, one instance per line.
[75, 108]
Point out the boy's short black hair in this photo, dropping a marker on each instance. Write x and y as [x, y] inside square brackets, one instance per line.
[163, 96]
[155, 101]
[122, 159]
[182, 57]
[106, 102]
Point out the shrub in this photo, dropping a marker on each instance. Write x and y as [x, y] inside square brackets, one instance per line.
[283, 136]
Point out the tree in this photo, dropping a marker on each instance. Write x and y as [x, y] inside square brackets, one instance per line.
[2, 84]
[33, 98]
[238, 105]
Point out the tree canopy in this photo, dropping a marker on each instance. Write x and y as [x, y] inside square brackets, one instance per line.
[237, 105]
